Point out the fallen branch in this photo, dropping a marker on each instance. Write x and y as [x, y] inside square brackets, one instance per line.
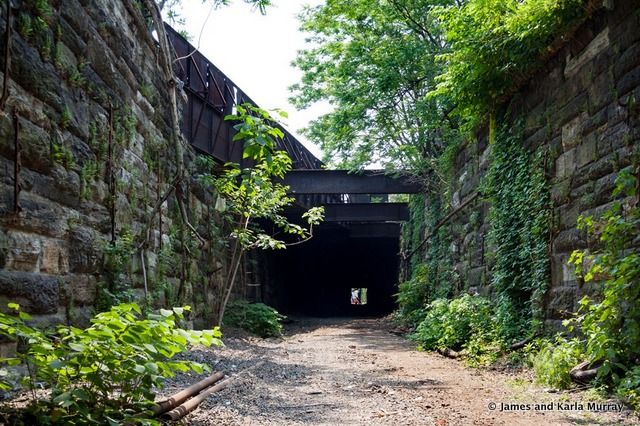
[176, 399]
[187, 407]
[182, 410]
[522, 343]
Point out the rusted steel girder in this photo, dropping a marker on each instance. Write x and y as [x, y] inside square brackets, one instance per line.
[366, 212]
[344, 182]
[211, 96]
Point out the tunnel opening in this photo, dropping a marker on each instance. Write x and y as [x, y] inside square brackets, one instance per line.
[318, 278]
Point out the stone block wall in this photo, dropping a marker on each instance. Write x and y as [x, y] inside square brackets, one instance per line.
[80, 70]
[581, 107]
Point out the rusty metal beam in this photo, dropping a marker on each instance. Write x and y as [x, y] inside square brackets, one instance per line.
[343, 182]
[373, 230]
[211, 96]
[366, 212]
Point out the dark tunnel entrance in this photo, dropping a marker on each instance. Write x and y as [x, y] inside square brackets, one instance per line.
[317, 278]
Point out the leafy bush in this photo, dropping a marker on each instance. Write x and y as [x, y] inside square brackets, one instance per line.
[554, 360]
[466, 323]
[256, 318]
[629, 388]
[412, 296]
[104, 374]
[611, 325]
[608, 328]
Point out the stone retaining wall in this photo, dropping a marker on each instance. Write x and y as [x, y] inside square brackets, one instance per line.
[72, 67]
[581, 107]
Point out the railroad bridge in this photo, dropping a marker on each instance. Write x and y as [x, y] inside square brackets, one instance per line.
[357, 245]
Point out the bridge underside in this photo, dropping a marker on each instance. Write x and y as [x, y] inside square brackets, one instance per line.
[316, 278]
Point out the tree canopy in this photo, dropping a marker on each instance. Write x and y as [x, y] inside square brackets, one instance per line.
[404, 75]
[375, 62]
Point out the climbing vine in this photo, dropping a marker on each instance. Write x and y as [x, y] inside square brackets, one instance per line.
[518, 191]
[428, 273]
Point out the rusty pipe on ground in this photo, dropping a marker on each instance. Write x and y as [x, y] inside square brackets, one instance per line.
[187, 407]
[178, 398]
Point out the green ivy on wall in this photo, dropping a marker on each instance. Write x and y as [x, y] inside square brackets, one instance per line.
[429, 271]
[518, 191]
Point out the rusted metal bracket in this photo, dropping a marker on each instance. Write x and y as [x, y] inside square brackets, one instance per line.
[7, 57]
[17, 165]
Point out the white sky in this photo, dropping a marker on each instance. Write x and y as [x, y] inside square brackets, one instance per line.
[255, 51]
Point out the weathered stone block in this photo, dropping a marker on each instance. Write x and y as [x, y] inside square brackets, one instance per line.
[75, 15]
[619, 136]
[469, 185]
[55, 257]
[476, 277]
[79, 290]
[561, 302]
[559, 262]
[560, 192]
[572, 132]
[4, 248]
[567, 241]
[616, 113]
[628, 82]
[568, 215]
[628, 60]
[84, 250]
[35, 143]
[67, 186]
[36, 293]
[586, 152]
[595, 47]
[24, 252]
[601, 91]
[597, 169]
[80, 316]
[8, 349]
[566, 164]
[571, 109]
[604, 187]
[595, 120]
[38, 215]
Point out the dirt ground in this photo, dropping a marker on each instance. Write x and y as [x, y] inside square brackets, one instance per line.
[356, 372]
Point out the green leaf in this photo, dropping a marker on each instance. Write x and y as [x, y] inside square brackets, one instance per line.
[78, 347]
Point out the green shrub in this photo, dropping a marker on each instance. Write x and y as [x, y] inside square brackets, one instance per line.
[554, 360]
[611, 325]
[629, 388]
[257, 318]
[466, 323]
[106, 373]
[412, 296]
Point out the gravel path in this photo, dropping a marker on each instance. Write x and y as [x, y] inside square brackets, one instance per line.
[355, 372]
